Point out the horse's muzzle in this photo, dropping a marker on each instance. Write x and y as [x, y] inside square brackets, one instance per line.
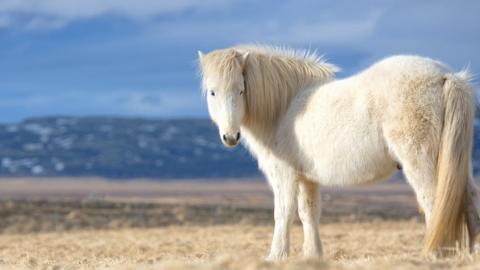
[231, 140]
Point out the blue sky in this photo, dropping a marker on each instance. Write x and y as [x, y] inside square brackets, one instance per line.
[137, 57]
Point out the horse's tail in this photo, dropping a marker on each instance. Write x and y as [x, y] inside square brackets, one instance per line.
[447, 228]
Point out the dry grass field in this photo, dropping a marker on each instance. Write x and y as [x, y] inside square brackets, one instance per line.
[93, 224]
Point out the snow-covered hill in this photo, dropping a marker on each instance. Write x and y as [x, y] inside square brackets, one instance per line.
[119, 148]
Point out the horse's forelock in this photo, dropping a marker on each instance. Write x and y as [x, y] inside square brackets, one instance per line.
[225, 64]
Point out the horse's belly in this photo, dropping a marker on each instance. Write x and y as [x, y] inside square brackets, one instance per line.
[348, 158]
[350, 165]
[338, 137]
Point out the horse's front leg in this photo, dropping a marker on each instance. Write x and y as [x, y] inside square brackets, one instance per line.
[284, 188]
[309, 210]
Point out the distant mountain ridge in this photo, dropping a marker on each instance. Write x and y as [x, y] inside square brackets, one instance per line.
[123, 148]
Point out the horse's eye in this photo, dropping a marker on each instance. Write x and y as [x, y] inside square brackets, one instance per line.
[212, 93]
[241, 92]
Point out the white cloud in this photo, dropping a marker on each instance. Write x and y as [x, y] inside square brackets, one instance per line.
[74, 9]
[280, 26]
[278, 31]
[55, 11]
[325, 32]
[444, 30]
[161, 103]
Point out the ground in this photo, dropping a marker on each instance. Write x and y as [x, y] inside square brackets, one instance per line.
[186, 226]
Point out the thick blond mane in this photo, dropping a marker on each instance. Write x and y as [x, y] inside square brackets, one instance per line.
[274, 75]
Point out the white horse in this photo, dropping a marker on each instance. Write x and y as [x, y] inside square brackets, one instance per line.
[307, 129]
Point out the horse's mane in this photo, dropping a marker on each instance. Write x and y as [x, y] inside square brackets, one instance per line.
[274, 75]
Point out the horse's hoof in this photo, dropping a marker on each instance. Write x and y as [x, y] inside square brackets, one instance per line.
[276, 257]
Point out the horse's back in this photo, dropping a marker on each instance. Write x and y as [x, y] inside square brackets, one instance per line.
[349, 119]
[409, 102]
[402, 65]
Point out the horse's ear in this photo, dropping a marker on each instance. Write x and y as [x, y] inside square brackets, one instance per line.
[245, 56]
[200, 55]
[242, 57]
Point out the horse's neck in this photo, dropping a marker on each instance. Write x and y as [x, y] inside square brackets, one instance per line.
[259, 133]
[259, 138]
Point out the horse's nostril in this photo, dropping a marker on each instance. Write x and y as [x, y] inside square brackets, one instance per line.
[224, 137]
[238, 136]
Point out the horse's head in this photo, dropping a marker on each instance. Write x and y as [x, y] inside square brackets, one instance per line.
[224, 87]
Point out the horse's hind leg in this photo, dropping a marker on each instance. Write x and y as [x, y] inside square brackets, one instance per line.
[422, 179]
[309, 212]
[418, 166]
[419, 169]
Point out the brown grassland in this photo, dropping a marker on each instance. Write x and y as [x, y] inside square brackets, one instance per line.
[94, 224]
